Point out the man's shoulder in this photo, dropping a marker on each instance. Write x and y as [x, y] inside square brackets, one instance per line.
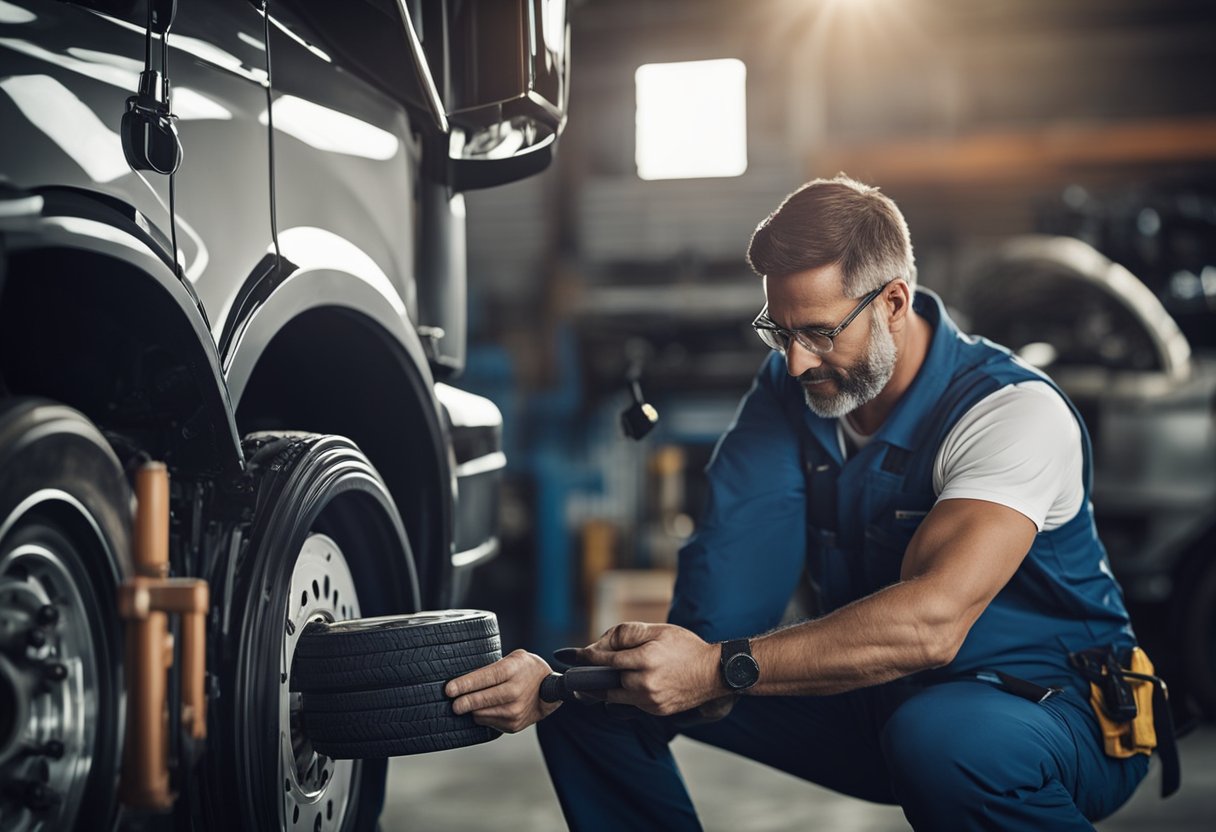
[1027, 406]
[1018, 423]
[1019, 446]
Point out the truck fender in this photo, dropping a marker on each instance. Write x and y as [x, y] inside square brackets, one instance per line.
[121, 246]
[328, 285]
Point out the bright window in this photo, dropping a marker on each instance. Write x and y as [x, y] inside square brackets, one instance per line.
[692, 119]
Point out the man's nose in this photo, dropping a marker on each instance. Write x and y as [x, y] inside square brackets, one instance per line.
[798, 359]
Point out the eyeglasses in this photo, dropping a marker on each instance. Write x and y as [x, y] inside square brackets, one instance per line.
[818, 341]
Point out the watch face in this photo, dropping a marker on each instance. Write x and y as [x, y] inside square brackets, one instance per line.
[741, 671]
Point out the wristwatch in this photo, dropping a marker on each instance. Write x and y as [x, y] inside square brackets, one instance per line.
[739, 668]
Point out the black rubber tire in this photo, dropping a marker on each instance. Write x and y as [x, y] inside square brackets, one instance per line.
[377, 726]
[403, 746]
[374, 687]
[295, 485]
[391, 651]
[60, 480]
[404, 696]
[380, 670]
[396, 633]
[361, 661]
[322, 722]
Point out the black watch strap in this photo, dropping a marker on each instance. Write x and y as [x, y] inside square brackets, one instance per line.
[731, 648]
[739, 668]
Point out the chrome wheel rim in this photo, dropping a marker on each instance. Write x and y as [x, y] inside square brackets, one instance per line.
[53, 680]
[318, 791]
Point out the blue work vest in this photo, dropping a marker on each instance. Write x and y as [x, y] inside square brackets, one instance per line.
[859, 515]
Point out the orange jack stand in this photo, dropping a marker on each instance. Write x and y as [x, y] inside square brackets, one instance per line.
[145, 602]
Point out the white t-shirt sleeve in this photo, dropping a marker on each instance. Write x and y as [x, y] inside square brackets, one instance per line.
[1019, 447]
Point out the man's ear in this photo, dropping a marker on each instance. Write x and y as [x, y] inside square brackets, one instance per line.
[898, 297]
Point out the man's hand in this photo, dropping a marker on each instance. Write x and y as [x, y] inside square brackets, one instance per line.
[504, 695]
[667, 669]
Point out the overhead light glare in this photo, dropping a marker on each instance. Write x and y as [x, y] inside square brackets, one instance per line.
[691, 119]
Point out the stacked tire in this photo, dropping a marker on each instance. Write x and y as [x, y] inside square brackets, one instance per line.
[373, 687]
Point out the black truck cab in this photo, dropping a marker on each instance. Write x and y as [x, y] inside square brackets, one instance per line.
[280, 321]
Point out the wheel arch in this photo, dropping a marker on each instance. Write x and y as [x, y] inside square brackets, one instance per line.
[284, 372]
[92, 315]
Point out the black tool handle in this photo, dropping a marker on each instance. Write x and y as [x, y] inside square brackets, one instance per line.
[592, 678]
[561, 687]
[553, 688]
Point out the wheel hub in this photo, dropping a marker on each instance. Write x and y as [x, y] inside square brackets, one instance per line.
[48, 690]
[318, 791]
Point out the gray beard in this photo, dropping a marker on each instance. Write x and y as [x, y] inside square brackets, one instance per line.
[862, 382]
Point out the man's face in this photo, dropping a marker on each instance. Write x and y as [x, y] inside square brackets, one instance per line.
[863, 357]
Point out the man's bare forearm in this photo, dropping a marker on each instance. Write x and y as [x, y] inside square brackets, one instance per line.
[898, 630]
[916, 624]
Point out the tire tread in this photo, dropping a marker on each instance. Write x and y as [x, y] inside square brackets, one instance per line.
[403, 746]
[317, 678]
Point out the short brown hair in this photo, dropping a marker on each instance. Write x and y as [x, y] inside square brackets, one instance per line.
[837, 220]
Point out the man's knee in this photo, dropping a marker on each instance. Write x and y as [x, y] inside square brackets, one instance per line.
[920, 746]
[951, 744]
[966, 756]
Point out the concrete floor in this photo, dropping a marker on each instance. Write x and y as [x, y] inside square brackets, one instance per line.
[503, 786]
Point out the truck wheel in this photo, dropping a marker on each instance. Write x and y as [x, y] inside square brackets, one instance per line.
[374, 687]
[325, 543]
[64, 548]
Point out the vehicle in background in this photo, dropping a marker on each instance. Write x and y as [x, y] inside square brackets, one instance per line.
[1130, 338]
[277, 322]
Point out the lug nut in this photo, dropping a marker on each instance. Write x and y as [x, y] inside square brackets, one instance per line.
[47, 615]
[55, 672]
[36, 638]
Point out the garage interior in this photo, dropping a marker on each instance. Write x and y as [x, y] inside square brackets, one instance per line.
[985, 122]
[328, 380]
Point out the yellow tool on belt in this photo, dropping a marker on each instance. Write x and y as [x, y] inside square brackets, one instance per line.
[1132, 706]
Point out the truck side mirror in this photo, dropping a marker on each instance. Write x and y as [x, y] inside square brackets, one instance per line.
[504, 87]
[469, 174]
[486, 82]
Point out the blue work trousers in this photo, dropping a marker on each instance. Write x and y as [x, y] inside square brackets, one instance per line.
[961, 755]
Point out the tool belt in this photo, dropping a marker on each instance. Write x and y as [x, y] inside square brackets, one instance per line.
[1132, 707]
[1131, 704]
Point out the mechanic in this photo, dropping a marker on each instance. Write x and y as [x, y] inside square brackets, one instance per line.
[936, 490]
